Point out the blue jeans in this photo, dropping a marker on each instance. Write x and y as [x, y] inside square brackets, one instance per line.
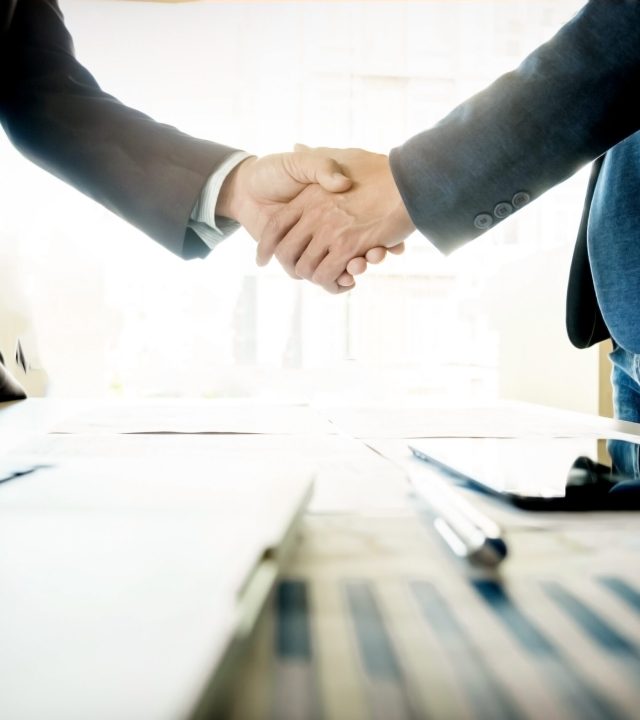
[625, 379]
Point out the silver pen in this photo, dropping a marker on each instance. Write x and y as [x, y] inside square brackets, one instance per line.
[470, 534]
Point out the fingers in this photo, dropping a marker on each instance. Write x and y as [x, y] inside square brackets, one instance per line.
[319, 174]
[357, 266]
[317, 253]
[397, 249]
[376, 255]
[275, 229]
[329, 247]
[329, 269]
[288, 253]
[292, 233]
[372, 257]
[336, 263]
[299, 252]
[346, 281]
[310, 257]
[307, 167]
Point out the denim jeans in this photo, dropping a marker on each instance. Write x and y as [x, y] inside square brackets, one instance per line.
[625, 379]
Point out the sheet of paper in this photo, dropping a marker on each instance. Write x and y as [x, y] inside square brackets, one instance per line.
[505, 420]
[349, 477]
[144, 561]
[195, 417]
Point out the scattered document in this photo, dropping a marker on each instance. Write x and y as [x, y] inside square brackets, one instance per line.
[505, 420]
[349, 476]
[195, 417]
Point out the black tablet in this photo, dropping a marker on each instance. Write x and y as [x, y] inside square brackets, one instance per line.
[539, 473]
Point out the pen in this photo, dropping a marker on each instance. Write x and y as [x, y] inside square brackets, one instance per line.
[470, 534]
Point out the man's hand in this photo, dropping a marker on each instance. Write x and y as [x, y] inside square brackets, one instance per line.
[320, 235]
[259, 188]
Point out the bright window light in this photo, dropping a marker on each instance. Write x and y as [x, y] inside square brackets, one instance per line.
[116, 314]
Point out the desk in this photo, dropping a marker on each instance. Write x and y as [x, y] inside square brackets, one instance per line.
[375, 619]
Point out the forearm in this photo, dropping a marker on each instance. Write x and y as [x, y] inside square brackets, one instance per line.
[56, 114]
[566, 104]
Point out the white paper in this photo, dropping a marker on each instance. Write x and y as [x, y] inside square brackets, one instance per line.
[504, 420]
[349, 476]
[195, 417]
[120, 580]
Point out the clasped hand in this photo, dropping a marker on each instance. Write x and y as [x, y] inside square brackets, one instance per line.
[324, 213]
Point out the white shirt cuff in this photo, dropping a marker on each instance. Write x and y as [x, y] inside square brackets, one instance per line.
[212, 229]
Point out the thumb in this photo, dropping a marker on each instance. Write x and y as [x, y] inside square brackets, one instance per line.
[306, 167]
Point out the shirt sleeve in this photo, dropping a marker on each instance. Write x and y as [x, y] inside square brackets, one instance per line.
[211, 228]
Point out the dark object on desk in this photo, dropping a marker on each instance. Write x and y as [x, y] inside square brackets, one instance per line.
[9, 471]
[535, 473]
[592, 484]
[10, 388]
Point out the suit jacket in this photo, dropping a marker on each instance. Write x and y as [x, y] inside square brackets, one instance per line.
[55, 113]
[567, 104]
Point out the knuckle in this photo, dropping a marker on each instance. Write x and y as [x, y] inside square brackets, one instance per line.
[272, 227]
[342, 242]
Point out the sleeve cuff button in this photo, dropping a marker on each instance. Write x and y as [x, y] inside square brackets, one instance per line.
[483, 221]
[520, 199]
[502, 210]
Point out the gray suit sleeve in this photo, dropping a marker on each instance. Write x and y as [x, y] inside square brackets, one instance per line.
[566, 104]
[53, 110]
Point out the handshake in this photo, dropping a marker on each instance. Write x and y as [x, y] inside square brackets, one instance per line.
[324, 213]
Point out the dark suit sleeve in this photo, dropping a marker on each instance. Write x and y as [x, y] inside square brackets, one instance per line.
[53, 110]
[568, 102]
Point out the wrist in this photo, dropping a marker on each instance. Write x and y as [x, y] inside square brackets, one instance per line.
[402, 220]
[401, 225]
[233, 191]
